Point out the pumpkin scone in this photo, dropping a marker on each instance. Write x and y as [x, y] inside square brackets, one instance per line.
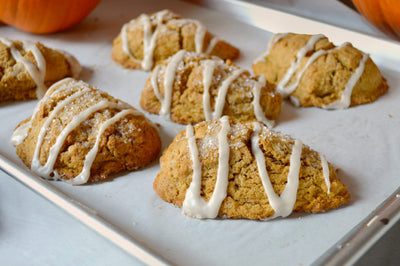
[80, 134]
[148, 39]
[312, 71]
[238, 170]
[190, 87]
[28, 69]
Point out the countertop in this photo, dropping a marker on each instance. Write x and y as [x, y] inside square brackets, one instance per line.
[35, 232]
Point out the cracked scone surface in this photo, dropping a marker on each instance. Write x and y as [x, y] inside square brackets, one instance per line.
[17, 83]
[321, 79]
[148, 39]
[92, 122]
[245, 194]
[188, 89]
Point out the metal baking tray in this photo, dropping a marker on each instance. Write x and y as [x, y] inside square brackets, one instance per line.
[362, 142]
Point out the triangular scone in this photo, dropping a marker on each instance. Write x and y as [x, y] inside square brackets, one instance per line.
[27, 69]
[190, 87]
[311, 71]
[148, 39]
[245, 170]
[80, 134]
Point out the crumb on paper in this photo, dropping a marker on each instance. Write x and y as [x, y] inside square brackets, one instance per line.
[390, 116]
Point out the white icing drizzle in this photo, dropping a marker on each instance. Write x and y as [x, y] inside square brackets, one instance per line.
[154, 82]
[283, 204]
[274, 39]
[38, 72]
[223, 89]
[294, 100]
[208, 70]
[194, 205]
[149, 37]
[312, 58]
[21, 132]
[200, 34]
[47, 170]
[345, 99]
[259, 113]
[325, 172]
[76, 68]
[281, 87]
[209, 66]
[212, 44]
[35, 160]
[169, 78]
[83, 177]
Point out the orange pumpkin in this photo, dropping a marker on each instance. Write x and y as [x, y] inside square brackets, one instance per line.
[384, 14]
[44, 16]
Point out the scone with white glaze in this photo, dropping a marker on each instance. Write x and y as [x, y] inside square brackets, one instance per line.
[311, 71]
[150, 38]
[28, 69]
[225, 168]
[80, 134]
[190, 87]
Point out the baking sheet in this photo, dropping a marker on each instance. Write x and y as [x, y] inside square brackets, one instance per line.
[362, 142]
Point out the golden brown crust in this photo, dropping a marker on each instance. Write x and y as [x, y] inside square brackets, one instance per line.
[325, 79]
[187, 105]
[173, 34]
[16, 84]
[126, 144]
[246, 197]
